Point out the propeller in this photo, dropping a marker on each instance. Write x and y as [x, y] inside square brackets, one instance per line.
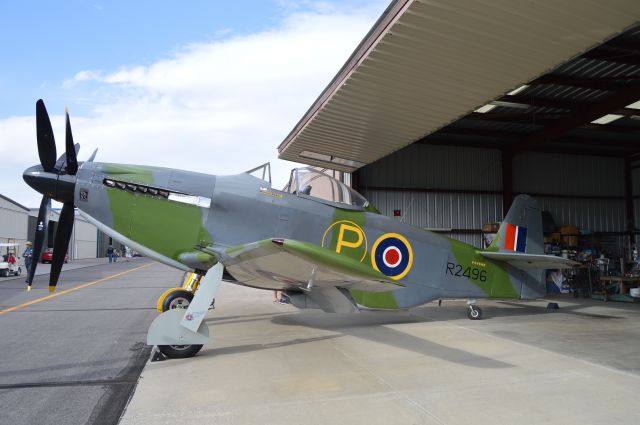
[55, 179]
[41, 231]
[44, 134]
[93, 155]
[61, 243]
[72, 159]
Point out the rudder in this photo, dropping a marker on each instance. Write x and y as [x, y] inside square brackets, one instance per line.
[521, 233]
[521, 229]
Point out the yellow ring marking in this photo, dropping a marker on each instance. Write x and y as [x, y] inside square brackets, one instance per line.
[409, 249]
[66, 291]
[366, 243]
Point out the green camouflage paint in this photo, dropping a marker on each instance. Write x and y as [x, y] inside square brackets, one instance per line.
[343, 263]
[131, 173]
[378, 300]
[346, 217]
[498, 284]
[166, 227]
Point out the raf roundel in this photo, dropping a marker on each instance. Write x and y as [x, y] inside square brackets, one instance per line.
[392, 255]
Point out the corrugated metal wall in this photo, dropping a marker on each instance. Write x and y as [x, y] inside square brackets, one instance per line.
[436, 167]
[451, 182]
[440, 210]
[84, 239]
[568, 175]
[460, 188]
[594, 215]
[15, 226]
[14, 223]
[592, 188]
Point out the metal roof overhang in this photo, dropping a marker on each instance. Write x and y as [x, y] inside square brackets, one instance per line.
[426, 66]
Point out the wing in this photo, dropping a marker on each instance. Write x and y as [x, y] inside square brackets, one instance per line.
[284, 263]
[531, 261]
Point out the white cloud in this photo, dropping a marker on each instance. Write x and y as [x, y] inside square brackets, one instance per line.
[219, 108]
[86, 76]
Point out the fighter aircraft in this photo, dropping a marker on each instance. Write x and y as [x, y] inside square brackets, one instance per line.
[317, 240]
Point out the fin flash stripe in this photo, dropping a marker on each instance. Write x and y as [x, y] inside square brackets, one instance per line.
[515, 238]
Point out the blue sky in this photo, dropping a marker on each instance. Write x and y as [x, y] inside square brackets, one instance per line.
[44, 42]
[224, 81]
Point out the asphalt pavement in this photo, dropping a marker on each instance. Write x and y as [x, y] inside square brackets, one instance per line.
[75, 357]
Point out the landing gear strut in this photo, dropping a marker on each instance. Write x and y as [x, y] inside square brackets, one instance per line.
[179, 331]
[179, 297]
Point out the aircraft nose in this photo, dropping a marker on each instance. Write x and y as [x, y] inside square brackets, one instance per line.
[40, 180]
[58, 187]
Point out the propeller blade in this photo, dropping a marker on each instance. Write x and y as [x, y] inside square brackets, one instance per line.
[93, 155]
[61, 243]
[63, 158]
[41, 232]
[72, 159]
[46, 141]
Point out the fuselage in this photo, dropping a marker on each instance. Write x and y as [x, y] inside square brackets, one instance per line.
[181, 218]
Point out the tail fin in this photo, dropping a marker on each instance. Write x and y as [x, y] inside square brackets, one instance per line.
[520, 244]
[521, 229]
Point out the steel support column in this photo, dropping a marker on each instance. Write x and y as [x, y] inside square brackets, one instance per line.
[507, 180]
[628, 200]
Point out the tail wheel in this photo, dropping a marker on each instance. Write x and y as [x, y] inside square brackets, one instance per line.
[474, 312]
[178, 299]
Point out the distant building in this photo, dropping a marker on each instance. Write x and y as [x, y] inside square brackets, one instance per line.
[18, 224]
[14, 221]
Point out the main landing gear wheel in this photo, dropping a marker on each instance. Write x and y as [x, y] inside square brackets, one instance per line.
[178, 299]
[474, 312]
[179, 351]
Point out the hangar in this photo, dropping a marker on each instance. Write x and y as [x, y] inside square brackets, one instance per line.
[445, 112]
[18, 224]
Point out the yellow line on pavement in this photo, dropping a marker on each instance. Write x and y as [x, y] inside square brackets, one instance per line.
[66, 291]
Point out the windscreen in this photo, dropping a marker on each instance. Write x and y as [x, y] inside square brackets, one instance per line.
[314, 183]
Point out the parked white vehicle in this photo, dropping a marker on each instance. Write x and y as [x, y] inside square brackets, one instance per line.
[6, 268]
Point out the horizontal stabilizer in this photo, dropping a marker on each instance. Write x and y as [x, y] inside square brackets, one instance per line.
[531, 261]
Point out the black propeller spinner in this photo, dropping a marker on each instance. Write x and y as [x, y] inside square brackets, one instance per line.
[55, 179]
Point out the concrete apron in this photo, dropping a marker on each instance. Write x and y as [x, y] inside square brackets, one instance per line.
[268, 363]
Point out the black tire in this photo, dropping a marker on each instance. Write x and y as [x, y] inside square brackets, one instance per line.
[19, 272]
[4, 273]
[474, 313]
[179, 351]
[177, 299]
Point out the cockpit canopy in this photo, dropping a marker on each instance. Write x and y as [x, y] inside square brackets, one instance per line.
[316, 184]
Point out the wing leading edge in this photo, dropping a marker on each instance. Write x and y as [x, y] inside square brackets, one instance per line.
[285, 263]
